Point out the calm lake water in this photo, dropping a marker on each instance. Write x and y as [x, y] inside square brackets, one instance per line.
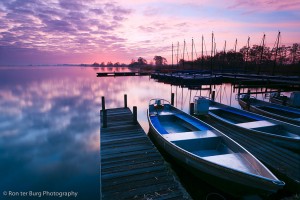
[50, 124]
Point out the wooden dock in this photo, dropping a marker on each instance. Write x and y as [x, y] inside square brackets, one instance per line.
[131, 166]
[194, 79]
[113, 74]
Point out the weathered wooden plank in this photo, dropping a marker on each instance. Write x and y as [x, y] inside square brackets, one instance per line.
[131, 166]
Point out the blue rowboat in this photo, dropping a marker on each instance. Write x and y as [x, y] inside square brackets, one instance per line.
[207, 152]
[293, 100]
[275, 111]
[279, 132]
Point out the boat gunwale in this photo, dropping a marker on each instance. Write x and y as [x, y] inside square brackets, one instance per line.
[256, 107]
[269, 115]
[263, 134]
[195, 157]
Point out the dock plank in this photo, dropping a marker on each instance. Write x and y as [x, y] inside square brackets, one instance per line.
[131, 166]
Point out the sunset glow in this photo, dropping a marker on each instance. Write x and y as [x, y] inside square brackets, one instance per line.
[62, 31]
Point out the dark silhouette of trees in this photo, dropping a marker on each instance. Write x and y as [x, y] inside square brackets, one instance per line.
[294, 51]
[109, 64]
[141, 62]
[95, 64]
[117, 64]
[160, 61]
[256, 59]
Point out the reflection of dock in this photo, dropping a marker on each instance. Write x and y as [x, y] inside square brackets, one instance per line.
[285, 163]
[131, 166]
[113, 74]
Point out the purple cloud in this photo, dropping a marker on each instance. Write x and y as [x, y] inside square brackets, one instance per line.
[62, 26]
[264, 5]
[97, 11]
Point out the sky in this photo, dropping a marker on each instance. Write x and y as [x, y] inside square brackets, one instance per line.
[88, 31]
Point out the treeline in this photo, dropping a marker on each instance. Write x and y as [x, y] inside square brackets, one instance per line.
[255, 59]
[109, 64]
[157, 61]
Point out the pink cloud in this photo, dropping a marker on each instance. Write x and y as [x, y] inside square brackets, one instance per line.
[264, 5]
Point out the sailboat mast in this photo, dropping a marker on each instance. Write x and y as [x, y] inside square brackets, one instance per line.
[202, 53]
[172, 54]
[235, 45]
[248, 47]
[247, 54]
[192, 52]
[224, 55]
[183, 54]
[215, 47]
[212, 49]
[278, 37]
[177, 52]
[262, 52]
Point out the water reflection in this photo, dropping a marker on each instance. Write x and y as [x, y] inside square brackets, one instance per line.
[49, 123]
[49, 132]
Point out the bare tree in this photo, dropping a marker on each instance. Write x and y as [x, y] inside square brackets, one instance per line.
[159, 60]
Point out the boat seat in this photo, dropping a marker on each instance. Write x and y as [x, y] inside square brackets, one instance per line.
[213, 108]
[256, 124]
[193, 121]
[189, 135]
[231, 160]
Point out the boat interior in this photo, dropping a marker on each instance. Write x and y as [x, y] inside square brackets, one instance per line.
[249, 121]
[201, 140]
[233, 116]
[283, 112]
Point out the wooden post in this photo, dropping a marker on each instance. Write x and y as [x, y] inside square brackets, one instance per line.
[191, 108]
[213, 95]
[103, 103]
[104, 115]
[248, 100]
[125, 100]
[248, 93]
[172, 98]
[134, 114]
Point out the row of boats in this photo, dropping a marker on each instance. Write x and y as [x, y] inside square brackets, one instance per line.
[207, 152]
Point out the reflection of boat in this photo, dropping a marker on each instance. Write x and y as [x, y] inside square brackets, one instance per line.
[283, 113]
[293, 100]
[204, 150]
[281, 133]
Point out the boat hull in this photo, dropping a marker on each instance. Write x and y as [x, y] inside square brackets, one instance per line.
[223, 180]
[226, 179]
[257, 110]
[286, 142]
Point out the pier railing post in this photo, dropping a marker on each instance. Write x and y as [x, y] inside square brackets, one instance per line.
[213, 94]
[172, 99]
[125, 100]
[135, 115]
[191, 108]
[103, 103]
[248, 101]
[104, 120]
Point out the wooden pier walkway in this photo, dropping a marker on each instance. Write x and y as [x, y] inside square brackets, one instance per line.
[113, 74]
[131, 166]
